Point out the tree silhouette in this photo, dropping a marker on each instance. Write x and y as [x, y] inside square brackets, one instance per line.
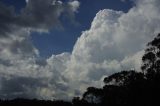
[151, 69]
[121, 88]
[151, 59]
[93, 95]
[124, 78]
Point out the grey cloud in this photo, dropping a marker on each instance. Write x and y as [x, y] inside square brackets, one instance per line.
[21, 87]
[26, 78]
[22, 73]
[7, 18]
[23, 47]
[46, 16]
[5, 62]
[40, 15]
[15, 28]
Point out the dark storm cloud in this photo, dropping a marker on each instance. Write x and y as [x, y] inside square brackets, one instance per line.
[24, 87]
[7, 18]
[5, 62]
[41, 14]
[13, 86]
[38, 14]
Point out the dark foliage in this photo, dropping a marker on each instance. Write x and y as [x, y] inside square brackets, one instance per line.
[126, 88]
[34, 102]
[124, 78]
[151, 59]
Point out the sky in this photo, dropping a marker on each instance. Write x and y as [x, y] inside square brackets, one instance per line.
[58, 49]
[62, 40]
[59, 41]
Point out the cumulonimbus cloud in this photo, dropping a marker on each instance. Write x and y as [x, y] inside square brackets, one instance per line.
[114, 42]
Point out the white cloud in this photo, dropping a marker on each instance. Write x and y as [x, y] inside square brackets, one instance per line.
[74, 5]
[114, 42]
[27, 1]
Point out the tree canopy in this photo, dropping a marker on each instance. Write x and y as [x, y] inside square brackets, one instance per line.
[151, 59]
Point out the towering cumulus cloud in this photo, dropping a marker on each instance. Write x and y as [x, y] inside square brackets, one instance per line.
[115, 41]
